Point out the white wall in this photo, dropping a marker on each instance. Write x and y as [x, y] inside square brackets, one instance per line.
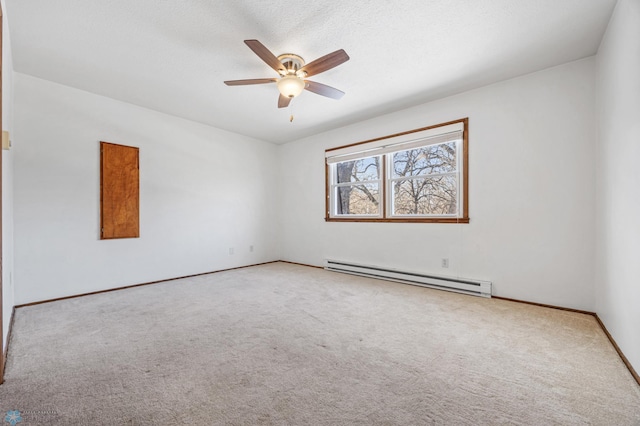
[7, 183]
[618, 179]
[203, 190]
[532, 143]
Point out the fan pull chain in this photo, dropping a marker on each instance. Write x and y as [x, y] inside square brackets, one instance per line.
[291, 111]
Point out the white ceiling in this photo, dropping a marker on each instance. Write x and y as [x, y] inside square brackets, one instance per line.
[173, 56]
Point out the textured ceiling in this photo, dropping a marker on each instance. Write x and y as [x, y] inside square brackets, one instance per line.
[173, 56]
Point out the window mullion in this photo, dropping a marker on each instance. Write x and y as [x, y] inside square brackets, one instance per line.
[383, 189]
[435, 175]
[356, 183]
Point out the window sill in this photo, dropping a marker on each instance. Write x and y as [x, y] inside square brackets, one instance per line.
[402, 220]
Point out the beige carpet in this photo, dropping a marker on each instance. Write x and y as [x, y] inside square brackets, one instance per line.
[291, 345]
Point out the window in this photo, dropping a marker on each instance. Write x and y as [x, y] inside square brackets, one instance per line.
[357, 187]
[415, 176]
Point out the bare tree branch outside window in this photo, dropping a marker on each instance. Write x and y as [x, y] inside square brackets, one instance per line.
[429, 180]
[361, 194]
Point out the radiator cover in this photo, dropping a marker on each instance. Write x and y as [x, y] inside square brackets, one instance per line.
[458, 285]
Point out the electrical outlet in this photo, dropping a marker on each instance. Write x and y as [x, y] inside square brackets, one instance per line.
[445, 262]
[230, 250]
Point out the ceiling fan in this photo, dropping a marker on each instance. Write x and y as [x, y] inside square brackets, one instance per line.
[293, 72]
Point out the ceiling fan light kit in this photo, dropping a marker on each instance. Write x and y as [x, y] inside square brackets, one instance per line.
[290, 86]
[293, 71]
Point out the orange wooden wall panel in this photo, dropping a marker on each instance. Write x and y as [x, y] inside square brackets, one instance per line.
[119, 191]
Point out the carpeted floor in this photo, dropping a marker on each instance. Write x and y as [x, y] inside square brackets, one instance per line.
[286, 344]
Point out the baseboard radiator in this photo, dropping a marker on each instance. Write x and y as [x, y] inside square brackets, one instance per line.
[458, 285]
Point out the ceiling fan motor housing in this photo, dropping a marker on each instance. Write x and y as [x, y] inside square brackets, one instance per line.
[292, 63]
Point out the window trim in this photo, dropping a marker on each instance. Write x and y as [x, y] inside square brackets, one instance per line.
[386, 214]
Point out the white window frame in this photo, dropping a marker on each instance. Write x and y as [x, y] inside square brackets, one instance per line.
[334, 190]
[389, 197]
